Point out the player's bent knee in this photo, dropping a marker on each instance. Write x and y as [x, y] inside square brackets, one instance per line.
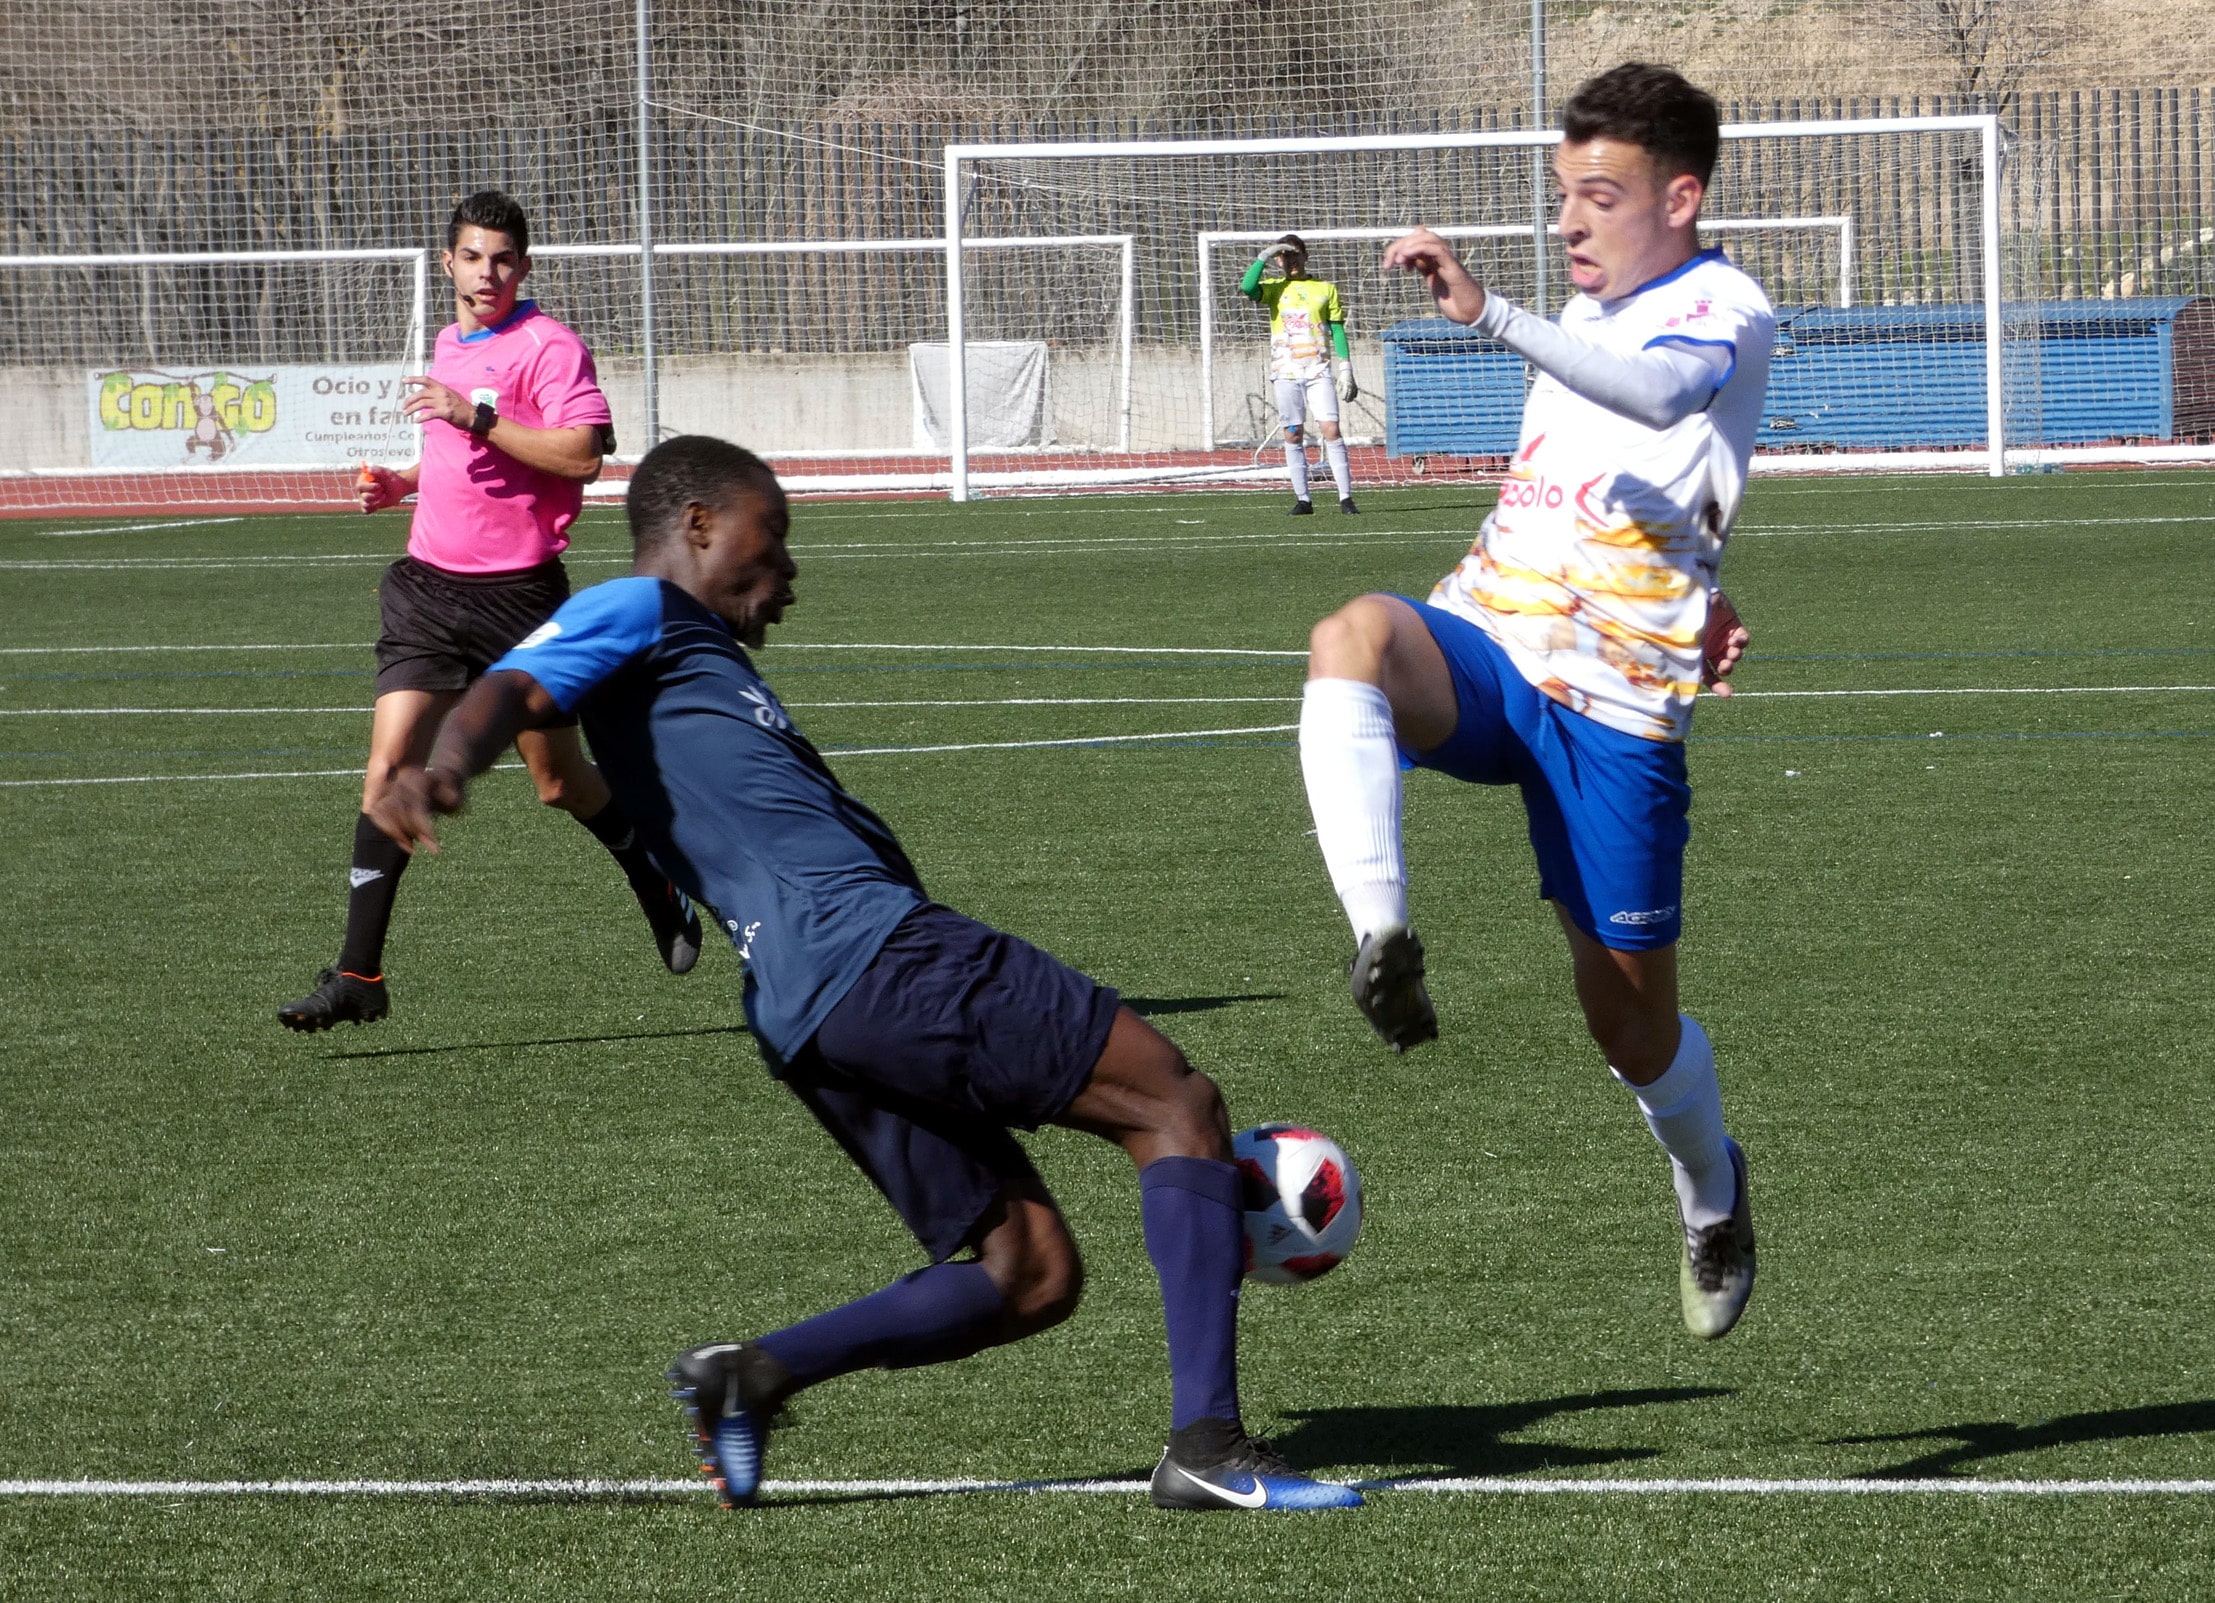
[1294, 435]
[1049, 1295]
[1352, 641]
[1196, 1122]
[1034, 1262]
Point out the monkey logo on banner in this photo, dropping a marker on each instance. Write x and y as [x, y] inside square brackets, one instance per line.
[275, 417]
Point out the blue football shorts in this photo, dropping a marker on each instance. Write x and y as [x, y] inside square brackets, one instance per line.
[955, 1035]
[1609, 813]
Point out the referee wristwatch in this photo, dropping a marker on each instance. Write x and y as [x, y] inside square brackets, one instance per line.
[481, 421]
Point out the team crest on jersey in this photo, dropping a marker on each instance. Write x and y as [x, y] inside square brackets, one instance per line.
[766, 711]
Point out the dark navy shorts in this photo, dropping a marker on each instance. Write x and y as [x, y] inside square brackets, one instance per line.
[1609, 812]
[441, 630]
[955, 1034]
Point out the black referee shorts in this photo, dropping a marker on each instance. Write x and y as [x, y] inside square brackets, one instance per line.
[442, 630]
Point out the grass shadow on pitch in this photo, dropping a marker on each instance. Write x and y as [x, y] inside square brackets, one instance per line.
[551, 1040]
[1151, 1007]
[1466, 1439]
[1976, 1441]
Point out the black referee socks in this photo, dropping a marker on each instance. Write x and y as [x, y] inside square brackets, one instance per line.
[611, 827]
[374, 881]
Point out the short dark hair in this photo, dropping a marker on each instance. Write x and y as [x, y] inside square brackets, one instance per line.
[1653, 108]
[1299, 245]
[496, 210]
[690, 470]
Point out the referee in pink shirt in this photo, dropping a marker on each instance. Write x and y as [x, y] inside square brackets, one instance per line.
[514, 428]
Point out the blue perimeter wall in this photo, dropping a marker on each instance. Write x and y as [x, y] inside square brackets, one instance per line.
[1866, 378]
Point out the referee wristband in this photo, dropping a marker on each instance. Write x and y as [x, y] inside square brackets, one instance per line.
[481, 423]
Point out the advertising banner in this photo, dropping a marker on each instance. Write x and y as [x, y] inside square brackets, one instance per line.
[249, 417]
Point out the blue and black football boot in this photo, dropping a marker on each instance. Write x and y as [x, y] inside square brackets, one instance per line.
[1213, 1463]
[730, 1392]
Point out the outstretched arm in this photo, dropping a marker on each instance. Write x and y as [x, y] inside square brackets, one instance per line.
[499, 707]
[1659, 386]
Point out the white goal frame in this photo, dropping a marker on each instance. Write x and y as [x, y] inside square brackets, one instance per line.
[420, 330]
[1985, 125]
[1125, 245]
[1206, 240]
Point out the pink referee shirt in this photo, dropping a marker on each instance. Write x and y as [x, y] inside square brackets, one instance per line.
[477, 509]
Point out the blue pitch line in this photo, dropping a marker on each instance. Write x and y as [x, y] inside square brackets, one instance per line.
[1970, 656]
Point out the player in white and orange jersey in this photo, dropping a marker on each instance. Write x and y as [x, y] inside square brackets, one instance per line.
[1564, 652]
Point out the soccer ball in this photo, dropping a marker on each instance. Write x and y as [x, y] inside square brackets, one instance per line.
[1303, 1202]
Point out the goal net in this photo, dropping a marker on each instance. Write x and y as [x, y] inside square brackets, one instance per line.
[213, 378]
[1878, 241]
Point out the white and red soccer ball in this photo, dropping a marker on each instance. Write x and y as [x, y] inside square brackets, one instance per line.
[1303, 1202]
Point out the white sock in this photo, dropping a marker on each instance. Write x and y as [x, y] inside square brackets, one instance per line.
[1341, 469]
[1684, 1109]
[1295, 458]
[1352, 766]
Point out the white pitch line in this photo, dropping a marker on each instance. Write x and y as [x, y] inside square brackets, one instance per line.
[1144, 701]
[94, 651]
[774, 647]
[859, 751]
[178, 779]
[1729, 1486]
[1073, 740]
[801, 706]
[175, 712]
[134, 528]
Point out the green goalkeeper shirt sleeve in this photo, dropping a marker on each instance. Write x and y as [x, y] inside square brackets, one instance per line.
[1250, 285]
[1338, 342]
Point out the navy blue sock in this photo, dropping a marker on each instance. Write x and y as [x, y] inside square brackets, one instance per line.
[947, 1311]
[1194, 1210]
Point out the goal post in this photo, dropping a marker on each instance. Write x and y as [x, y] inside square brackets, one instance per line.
[1909, 205]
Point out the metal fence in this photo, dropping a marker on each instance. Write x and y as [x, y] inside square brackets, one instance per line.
[2107, 194]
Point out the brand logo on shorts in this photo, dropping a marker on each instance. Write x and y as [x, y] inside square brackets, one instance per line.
[358, 877]
[1652, 915]
[539, 636]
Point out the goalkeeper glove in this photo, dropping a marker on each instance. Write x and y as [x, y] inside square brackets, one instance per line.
[1343, 371]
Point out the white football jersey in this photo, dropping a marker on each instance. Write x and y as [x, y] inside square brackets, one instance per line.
[1593, 571]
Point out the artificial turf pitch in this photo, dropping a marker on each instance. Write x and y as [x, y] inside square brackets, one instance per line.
[1953, 950]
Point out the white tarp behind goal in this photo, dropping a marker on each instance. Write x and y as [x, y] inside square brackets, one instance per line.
[1007, 389]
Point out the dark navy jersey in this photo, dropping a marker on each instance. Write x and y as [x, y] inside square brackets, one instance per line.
[732, 801]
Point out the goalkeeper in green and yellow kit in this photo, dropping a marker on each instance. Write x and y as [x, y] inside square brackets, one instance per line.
[1307, 361]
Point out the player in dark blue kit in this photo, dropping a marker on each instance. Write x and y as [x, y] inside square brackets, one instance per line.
[917, 1037]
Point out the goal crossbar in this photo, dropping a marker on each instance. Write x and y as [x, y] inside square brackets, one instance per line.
[1985, 125]
[1125, 245]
